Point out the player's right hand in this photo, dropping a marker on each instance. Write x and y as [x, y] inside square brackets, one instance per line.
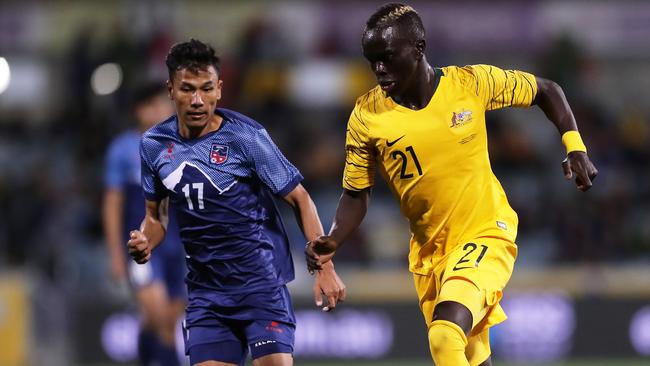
[578, 164]
[139, 248]
[319, 251]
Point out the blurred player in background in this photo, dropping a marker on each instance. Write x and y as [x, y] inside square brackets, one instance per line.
[158, 284]
[219, 171]
[424, 129]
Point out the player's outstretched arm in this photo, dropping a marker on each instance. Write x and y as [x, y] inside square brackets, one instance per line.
[305, 211]
[112, 207]
[326, 282]
[351, 210]
[551, 99]
[152, 231]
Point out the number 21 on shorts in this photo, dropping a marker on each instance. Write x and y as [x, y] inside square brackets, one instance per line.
[472, 252]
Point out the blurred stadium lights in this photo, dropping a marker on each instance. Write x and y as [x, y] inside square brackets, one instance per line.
[350, 334]
[106, 79]
[30, 81]
[120, 337]
[5, 74]
[540, 327]
[640, 331]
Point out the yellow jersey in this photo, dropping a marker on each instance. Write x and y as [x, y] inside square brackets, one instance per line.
[435, 160]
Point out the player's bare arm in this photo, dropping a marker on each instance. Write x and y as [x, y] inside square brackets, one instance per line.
[152, 231]
[305, 211]
[551, 99]
[326, 282]
[350, 212]
[112, 217]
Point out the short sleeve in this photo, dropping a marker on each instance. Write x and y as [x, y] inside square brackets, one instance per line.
[152, 186]
[359, 170]
[114, 169]
[500, 88]
[271, 166]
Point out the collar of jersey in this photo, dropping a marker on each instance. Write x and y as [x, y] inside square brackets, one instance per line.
[223, 114]
[439, 74]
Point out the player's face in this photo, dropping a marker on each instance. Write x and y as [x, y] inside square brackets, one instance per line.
[195, 94]
[393, 58]
[154, 110]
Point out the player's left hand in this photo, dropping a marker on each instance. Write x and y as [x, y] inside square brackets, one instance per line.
[328, 283]
[578, 163]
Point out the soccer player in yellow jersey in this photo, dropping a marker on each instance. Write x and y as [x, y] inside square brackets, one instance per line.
[424, 129]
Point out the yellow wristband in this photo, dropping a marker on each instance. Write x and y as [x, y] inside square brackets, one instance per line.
[573, 142]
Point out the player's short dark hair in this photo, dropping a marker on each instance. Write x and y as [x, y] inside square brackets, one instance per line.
[145, 91]
[193, 55]
[397, 14]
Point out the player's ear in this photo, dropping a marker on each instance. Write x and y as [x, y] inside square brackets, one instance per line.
[219, 87]
[169, 89]
[420, 46]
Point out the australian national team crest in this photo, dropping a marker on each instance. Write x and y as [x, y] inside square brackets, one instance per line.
[218, 154]
[461, 118]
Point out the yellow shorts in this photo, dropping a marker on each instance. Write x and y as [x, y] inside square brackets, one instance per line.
[485, 263]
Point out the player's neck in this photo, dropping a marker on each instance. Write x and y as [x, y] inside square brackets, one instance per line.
[418, 95]
[191, 132]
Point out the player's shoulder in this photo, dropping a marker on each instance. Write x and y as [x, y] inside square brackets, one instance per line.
[460, 73]
[240, 120]
[370, 101]
[469, 75]
[125, 138]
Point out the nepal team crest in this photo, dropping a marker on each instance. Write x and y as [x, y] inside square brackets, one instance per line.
[218, 154]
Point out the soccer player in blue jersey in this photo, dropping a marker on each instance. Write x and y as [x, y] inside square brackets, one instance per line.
[158, 284]
[219, 171]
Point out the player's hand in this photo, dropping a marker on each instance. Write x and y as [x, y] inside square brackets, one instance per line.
[139, 248]
[319, 251]
[328, 283]
[578, 163]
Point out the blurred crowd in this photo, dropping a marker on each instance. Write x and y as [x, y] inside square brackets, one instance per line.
[52, 164]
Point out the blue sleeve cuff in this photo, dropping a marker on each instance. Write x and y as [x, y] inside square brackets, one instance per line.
[291, 185]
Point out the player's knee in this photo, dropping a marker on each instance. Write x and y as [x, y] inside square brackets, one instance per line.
[456, 313]
[446, 337]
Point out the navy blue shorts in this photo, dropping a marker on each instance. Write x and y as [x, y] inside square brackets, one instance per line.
[224, 328]
[166, 265]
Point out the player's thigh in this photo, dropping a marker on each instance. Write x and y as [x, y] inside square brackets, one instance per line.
[153, 303]
[275, 359]
[176, 309]
[273, 337]
[485, 263]
[461, 302]
[215, 343]
[426, 287]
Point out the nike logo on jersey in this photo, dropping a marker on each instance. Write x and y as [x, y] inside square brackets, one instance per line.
[391, 143]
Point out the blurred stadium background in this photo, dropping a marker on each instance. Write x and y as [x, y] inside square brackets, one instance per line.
[580, 294]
